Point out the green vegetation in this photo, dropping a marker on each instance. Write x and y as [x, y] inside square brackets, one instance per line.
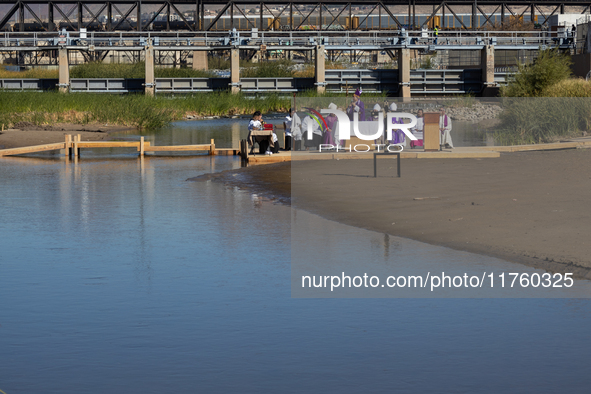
[113, 70]
[36, 73]
[265, 69]
[135, 110]
[569, 88]
[464, 101]
[274, 69]
[132, 70]
[544, 119]
[543, 104]
[183, 72]
[104, 70]
[532, 80]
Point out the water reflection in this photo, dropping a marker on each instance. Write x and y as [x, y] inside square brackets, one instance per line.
[121, 276]
[327, 249]
[227, 133]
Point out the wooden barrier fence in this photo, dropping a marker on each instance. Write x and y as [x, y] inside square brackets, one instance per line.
[72, 146]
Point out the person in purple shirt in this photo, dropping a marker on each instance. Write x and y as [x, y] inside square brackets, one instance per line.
[357, 106]
[331, 121]
[398, 136]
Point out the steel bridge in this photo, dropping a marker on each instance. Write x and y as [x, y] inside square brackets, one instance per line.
[288, 41]
[142, 15]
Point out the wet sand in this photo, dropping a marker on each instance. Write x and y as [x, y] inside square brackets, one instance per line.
[28, 134]
[532, 208]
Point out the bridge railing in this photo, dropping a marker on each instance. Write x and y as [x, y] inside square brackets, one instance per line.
[431, 82]
[285, 39]
[436, 82]
[106, 85]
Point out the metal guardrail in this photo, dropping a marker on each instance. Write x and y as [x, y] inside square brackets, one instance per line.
[445, 81]
[285, 84]
[28, 84]
[103, 85]
[285, 40]
[183, 85]
[421, 82]
[504, 75]
[383, 80]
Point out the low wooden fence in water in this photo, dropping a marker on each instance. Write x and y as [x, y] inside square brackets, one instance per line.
[73, 144]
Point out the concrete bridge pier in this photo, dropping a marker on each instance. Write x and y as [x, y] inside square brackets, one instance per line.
[320, 69]
[404, 73]
[200, 60]
[64, 70]
[487, 64]
[150, 81]
[235, 70]
[177, 59]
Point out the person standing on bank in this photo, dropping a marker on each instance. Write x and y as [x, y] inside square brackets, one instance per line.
[331, 122]
[398, 136]
[316, 139]
[357, 106]
[296, 130]
[418, 130]
[287, 129]
[445, 129]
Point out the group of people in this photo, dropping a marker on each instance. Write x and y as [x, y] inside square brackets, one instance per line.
[267, 145]
[326, 131]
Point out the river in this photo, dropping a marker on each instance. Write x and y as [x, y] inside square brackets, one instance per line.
[118, 275]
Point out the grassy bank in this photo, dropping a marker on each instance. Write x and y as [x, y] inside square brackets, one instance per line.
[135, 110]
[543, 119]
[133, 70]
[544, 103]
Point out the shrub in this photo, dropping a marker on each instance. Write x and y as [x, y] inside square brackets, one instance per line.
[544, 119]
[532, 80]
[569, 88]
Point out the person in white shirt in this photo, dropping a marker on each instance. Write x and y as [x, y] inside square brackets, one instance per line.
[256, 123]
[287, 129]
[316, 133]
[275, 147]
[418, 130]
[445, 129]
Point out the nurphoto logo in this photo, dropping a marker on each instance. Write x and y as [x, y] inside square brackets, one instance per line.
[344, 130]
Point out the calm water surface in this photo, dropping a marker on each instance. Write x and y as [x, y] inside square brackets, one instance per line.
[118, 276]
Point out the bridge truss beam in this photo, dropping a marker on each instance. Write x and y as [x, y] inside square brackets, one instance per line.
[141, 15]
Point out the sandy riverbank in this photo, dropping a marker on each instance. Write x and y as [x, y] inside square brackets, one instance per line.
[531, 207]
[28, 134]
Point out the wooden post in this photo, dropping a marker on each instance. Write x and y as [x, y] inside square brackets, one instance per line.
[212, 148]
[76, 140]
[141, 146]
[67, 145]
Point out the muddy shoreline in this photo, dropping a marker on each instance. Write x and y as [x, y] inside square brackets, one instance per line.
[531, 208]
[29, 134]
